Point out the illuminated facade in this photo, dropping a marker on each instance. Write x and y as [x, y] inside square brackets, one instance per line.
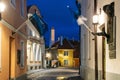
[107, 48]
[13, 41]
[66, 52]
[65, 56]
[35, 43]
[21, 43]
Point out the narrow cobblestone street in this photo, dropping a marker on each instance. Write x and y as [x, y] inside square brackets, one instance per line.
[55, 74]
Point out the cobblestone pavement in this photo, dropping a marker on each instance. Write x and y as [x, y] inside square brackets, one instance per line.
[55, 74]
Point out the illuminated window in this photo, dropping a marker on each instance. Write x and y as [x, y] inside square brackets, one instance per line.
[0, 49]
[22, 58]
[22, 7]
[34, 49]
[40, 55]
[65, 53]
[13, 2]
[65, 62]
[33, 33]
[37, 52]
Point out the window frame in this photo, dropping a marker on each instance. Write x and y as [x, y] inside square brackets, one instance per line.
[13, 2]
[37, 52]
[65, 53]
[22, 12]
[22, 55]
[66, 62]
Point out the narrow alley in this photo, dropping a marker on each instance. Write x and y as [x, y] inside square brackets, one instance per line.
[59, 40]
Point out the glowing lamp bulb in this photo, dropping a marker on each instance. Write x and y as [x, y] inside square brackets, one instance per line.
[95, 19]
[2, 7]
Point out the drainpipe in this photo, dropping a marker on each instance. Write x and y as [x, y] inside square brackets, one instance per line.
[96, 50]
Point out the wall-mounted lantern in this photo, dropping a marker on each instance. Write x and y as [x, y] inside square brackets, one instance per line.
[95, 23]
[2, 8]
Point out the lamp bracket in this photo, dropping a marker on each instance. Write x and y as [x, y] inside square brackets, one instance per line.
[103, 33]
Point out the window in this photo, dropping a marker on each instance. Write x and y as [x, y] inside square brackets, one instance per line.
[13, 2]
[40, 54]
[0, 49]
[22, 7]
[34, 50]
[65, 62]
[65, 53]
[22, 58]
[37, 52]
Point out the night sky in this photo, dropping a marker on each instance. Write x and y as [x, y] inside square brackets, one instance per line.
[56, 14]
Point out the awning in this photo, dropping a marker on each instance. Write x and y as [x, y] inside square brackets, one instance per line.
[39, 23]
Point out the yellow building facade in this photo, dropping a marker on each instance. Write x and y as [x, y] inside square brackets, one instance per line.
[65, 56]
[67, 52]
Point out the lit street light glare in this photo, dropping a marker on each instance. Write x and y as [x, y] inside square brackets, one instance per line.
[95, 19]
[2, 6]
[48, 55]
[60, 78]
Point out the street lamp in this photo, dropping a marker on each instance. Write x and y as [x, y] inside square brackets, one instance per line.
[48, 58]
[48, 55]
[96, 21]
[2, 8]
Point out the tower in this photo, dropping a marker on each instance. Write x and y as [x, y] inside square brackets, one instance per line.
[52, 36]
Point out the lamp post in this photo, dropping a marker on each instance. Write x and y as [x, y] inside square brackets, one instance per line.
[2, 8]
[95, 22]
[48, 57]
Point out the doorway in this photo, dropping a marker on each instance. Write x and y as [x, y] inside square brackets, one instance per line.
[11, 52]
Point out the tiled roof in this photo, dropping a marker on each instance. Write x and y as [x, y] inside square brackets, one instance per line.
[64, 44]
[68, 44]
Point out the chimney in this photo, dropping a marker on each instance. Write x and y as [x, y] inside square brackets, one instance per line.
[58, 38]
[61, 40]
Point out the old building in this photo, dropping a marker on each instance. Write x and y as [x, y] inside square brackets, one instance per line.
[66, 52]
[13, 40]
[35, 43]
[100, 48]
[22, 44]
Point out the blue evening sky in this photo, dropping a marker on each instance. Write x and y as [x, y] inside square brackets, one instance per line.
[56, 14]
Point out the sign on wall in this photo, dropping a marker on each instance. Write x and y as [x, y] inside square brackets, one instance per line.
[111, 29]
[112, 45]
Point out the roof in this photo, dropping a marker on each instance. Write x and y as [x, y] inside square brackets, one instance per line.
[68, 44]
[65, 44]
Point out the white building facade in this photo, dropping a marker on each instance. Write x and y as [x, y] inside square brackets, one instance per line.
[107, 49]
[35, 42]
